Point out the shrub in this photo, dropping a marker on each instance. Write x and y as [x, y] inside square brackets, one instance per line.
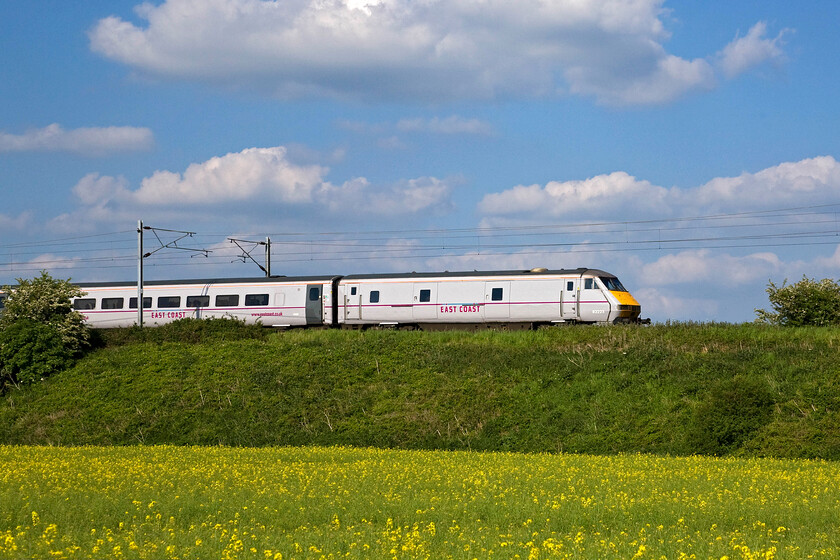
[30, 351]
[40, 333]
[730, 413]
[807, 302]
[46, 300]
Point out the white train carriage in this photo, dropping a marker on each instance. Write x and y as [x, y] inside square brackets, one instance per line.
[276, 301]
[522, 298]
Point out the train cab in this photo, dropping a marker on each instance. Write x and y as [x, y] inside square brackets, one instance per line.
[603, 298]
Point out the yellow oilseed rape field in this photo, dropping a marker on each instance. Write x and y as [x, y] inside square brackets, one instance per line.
[273, 503]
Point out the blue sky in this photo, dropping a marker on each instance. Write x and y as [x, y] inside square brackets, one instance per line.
[688, 147]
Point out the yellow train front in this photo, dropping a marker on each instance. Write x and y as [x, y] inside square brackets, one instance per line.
[602, 298]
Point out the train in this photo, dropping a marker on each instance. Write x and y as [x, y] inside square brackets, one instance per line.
[416, 300]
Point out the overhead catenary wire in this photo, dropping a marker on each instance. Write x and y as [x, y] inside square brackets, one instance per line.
[781, 227]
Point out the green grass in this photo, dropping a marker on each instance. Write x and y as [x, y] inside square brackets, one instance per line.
[743, 390]
[212, 502]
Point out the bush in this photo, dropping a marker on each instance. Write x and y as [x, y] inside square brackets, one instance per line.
[46, 300]
[40, 333]
[805, 303]
[733, 410]
[30, 351]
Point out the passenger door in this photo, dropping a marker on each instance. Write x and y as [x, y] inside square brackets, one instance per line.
[425, 300]
[569, 297]
[314, 306]
[352, 302]
[497, 301]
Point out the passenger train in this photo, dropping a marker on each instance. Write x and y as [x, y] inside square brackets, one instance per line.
[416, 300]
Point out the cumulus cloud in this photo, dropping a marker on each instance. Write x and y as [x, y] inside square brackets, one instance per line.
[259, 179]
[247, 175]
[661, 305]
[606, 193]
[703, 265]
[751, 50]
[435, 50]
[622, 196]
[426, 194]
[809, 181]
[93, 141]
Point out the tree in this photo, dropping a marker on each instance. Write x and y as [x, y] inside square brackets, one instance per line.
[40, 332]
[808, 302]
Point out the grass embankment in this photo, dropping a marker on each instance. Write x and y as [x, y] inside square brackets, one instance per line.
[667, 389]
[280, 503]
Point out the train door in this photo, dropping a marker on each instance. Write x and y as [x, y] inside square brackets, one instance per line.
[425, 300]
[569, 299]
[352, 302]
[314, 307]
[593, 304]
[497, 301]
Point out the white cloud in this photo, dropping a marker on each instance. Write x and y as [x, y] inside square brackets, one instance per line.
[809, 181]
[94, 141]
[669, 78]
[49, 260]
[607, 194]
[622, 196]
[831, 263]
[426, 194]
[703, 265]
[252, 174]
[93, 190]
[751, 50]
[434, 50]
[258, 180]
[661, 305]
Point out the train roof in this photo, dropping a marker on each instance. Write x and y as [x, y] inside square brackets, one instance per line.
[332, 277]
[249, 280]
[476, 273]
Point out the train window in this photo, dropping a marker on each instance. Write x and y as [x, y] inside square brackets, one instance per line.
[198, 301]
[113, 302]
[169, 301]
[353, 291]
[256, 299]
[374, 296]
[613, 284]
[314, 294]
[497, 294]
[588, 284]
[84, 304]
[425, 295]
[147, 303]
[231, 300]
[570, 286]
